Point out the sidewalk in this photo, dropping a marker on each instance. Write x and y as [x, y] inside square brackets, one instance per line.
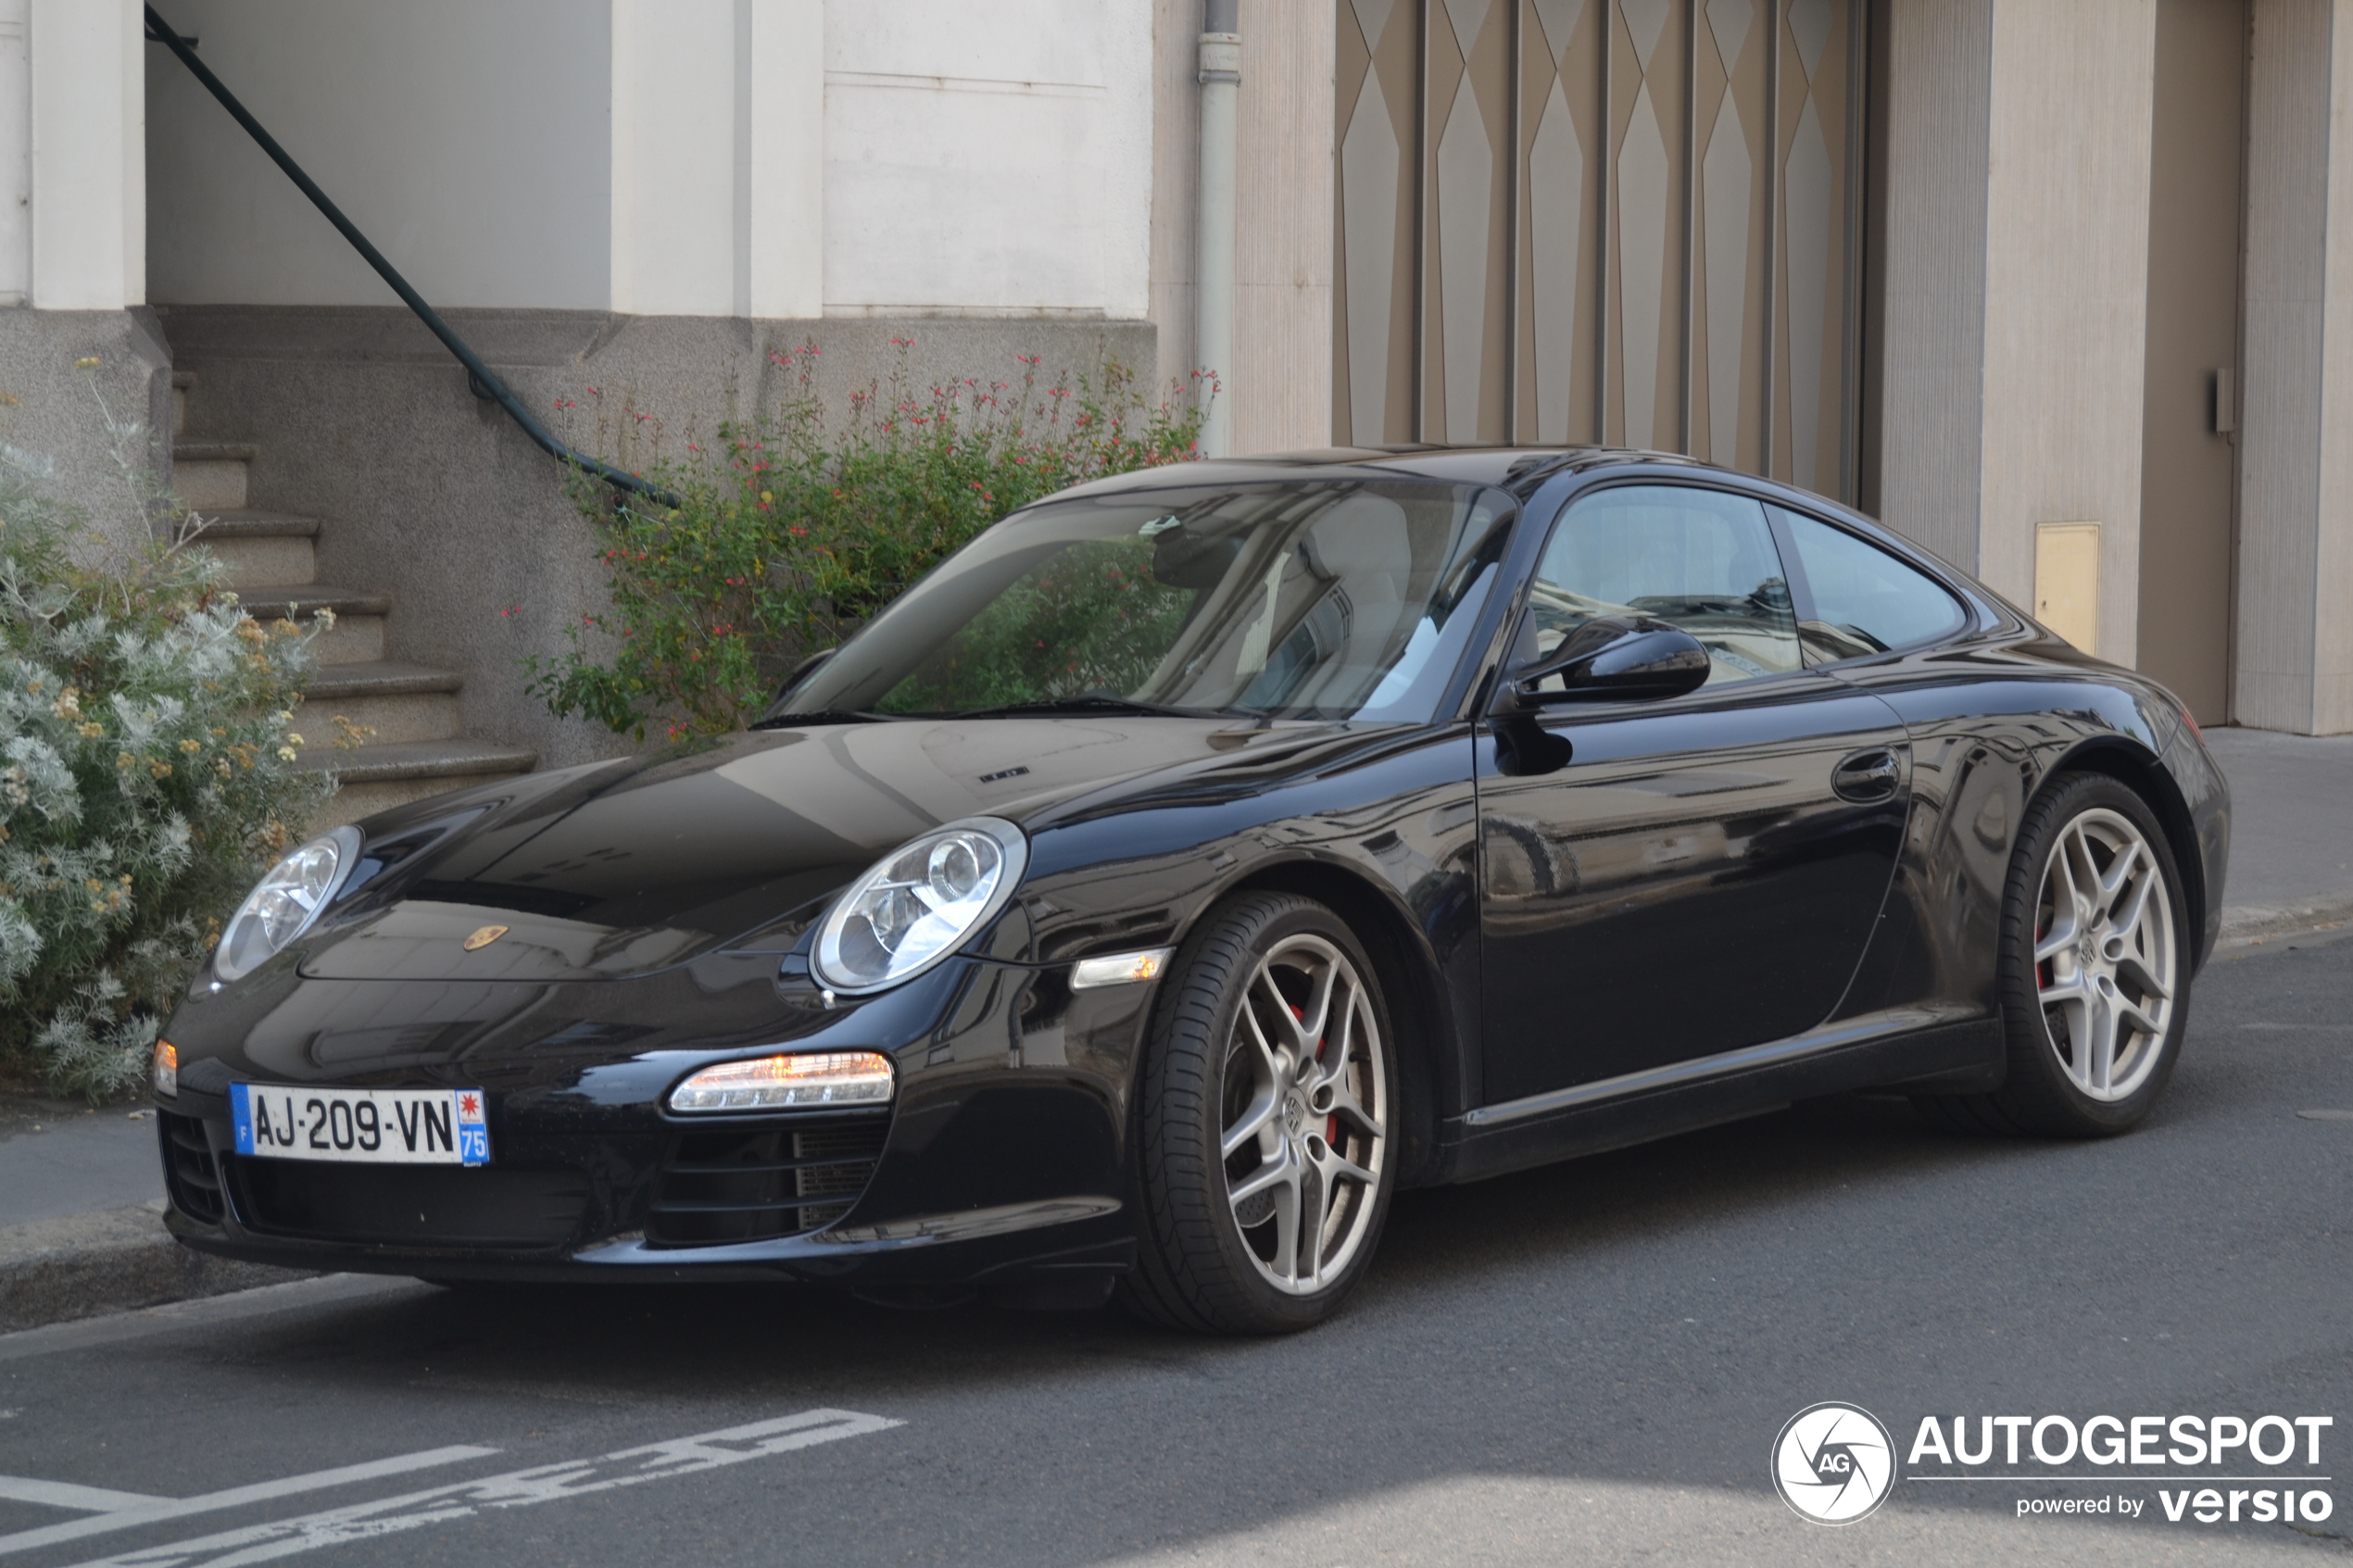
[80, 1229]
[2292, 831]
[80, 1190]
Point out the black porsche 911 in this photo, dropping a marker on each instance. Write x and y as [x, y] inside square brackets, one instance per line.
[1191, 860]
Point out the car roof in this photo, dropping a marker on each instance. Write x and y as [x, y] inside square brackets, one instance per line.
[1457, 465]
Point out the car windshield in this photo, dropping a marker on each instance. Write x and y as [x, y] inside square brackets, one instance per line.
[1319, 600]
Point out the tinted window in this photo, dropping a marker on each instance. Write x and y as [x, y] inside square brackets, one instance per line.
[1699, 559]
[1865, 600]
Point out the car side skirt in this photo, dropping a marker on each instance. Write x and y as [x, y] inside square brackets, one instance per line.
[1912, 1048]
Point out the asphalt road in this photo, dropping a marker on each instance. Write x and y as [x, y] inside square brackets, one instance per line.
[1587, 1363]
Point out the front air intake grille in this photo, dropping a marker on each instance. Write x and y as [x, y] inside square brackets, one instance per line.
[410, 1205]
[737, 1185]
[189, 1173]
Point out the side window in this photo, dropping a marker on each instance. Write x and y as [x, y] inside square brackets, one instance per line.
[1865, 600]
[1700, 559]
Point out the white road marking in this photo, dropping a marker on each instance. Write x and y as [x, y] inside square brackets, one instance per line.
[152, 1510]
[517, 1488]
[65, 1494]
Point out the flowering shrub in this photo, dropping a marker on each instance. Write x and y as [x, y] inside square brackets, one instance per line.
[146, 777]
[785, 540]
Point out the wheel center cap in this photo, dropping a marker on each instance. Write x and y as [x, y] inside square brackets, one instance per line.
[2087, 952]
[1294, 1114]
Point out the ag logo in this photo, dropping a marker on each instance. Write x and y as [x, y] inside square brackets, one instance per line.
[1833, 1464]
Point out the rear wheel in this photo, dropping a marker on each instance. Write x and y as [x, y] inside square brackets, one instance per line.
[1264, 1122]
[2095, 970]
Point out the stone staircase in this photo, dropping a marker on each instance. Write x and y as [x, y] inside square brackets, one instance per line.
[416, 749]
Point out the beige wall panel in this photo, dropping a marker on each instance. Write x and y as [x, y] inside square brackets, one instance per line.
[1283, 317]
[2333, 546]
[1939, 59]
[2066, 290]
[1175, 189]
[1728, 318]
[2188, 468]
[1810, 349]
[2291, 127]
[1559, 198]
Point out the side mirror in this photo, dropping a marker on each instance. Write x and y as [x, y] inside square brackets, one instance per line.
[1612, 658]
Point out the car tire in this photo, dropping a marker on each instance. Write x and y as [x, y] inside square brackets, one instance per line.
[1265, 1120]
[2095, 977]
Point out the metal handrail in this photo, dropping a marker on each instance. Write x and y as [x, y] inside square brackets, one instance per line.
[484, 381]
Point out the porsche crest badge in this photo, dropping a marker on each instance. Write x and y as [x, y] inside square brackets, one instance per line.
[485, 937]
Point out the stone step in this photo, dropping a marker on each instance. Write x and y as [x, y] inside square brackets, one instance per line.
[210, 475]
[358, 635]
[376, 778]
[182, 382]
[399, 702]
[262, 549]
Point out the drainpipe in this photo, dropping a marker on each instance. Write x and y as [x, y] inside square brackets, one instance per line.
[1221, 79]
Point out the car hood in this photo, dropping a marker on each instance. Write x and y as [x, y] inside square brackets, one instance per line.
[624, 868]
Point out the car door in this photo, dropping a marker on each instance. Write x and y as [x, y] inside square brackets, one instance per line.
[1668, 880]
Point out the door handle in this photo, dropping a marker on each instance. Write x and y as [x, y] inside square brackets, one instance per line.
[1868, 777]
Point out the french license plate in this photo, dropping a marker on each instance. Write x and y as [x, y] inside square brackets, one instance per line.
[372, 1126]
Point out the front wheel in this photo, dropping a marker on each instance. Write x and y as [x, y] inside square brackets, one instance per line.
[2095, 968]
[1266, 1117]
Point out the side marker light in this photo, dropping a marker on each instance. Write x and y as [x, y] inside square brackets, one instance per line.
[1120, 969]
[167, 1070]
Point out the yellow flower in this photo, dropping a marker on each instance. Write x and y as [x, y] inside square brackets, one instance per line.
[123, 759]
[294, 740]
[91, 730]
[160, 769]
[220, 766]
[192, 747]
[287, 753]
[88, 362]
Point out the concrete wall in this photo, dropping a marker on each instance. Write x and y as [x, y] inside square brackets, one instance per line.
[2295, 640]
[434, 496]
[2016, 283]
[693, 157]
[73, 248]
[988, 160]
[718, 117]
[471, 142]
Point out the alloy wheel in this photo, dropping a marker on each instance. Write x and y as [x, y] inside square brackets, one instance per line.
[2106, 954]
[1304, 1130]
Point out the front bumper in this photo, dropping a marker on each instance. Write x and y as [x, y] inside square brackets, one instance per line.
[1003, 1154]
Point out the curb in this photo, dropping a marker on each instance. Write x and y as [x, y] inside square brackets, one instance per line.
[80, 1265]
[2251, 926]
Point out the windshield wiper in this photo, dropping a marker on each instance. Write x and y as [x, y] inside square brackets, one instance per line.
[824, 716]
[1092, 702]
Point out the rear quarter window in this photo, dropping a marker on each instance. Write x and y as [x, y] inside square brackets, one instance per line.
[1865, 600]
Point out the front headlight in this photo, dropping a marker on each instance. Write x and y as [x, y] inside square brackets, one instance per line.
[918, 905]
[285, 902]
